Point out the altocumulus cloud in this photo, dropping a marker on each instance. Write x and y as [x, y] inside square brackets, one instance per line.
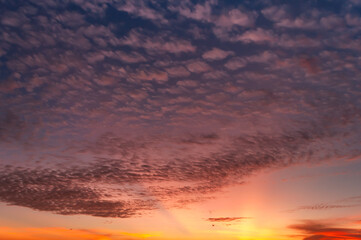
[114, 108]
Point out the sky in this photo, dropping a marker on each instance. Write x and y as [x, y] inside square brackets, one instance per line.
[170, 120]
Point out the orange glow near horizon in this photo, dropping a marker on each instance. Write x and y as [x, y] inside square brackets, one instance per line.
[263, 216]
[180, 120]
[7, 233]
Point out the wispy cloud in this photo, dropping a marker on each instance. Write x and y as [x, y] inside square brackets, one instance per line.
[323, 206]
[226, 219]
[315, 230]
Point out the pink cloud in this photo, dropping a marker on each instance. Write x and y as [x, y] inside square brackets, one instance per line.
[138, 94]
[131, 57]
[257, 36]
[178, 71]
[216, 75]
[235, 63]
[71, 19]
[353, 20]
[198, 11]
[13, 19]
[9, 85]
[312, 19]
[187, 83]
[222, 22]
[198, 66]
[34, 82]
[279, 15]
[236, 17]
[140, 9]
[297, 41]
[300, 22]
[264, 57]
[275, 13]
[157, 43]
[311, 65]
[151, 75]
[218, 97]
[216, 54]
[332, 22]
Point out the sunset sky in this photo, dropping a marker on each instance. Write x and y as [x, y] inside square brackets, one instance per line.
[180, 120]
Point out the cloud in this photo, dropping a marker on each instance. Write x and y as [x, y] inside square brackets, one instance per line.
[215, 75]
[310, 65]
[356, 199]
[131, 57]
[275, 13]
[71, 19]
[12, 127]
[187, 83]
[197, 11]
[9, 85]
[107, 80]
[306, 21]
[311, 20]
[128, 177]
[256, 36]
[216, 54]
[157, 43]
[353, 20]
[355, 2]
[119, 114]
[226, 219]
[151, 75]
[323, 206]
[198, 66]
[31, 188]
[264, 57]
[314, 230]
[236, 17]
[140, 8]
[222, 22]
[178, 71]
[332, 22]
[235, 63]
[12, 19]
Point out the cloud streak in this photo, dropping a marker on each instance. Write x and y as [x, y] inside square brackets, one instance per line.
[226, 219]
[318, 231]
